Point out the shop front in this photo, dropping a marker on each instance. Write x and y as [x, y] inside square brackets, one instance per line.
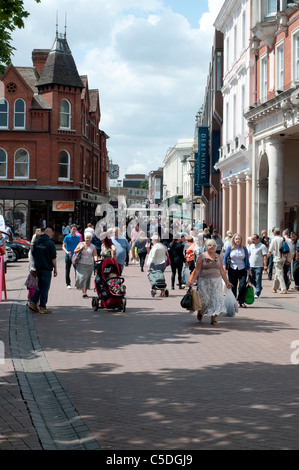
[48, 208]
[16, 214]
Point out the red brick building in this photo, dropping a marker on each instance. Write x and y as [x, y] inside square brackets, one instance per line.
[53, 156]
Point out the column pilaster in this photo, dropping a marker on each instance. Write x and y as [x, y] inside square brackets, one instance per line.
[275, 151]
[233, 204]
[241, 206]
[225, 207]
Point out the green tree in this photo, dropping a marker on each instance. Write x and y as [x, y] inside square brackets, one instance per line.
[12, 16]
[144, 184]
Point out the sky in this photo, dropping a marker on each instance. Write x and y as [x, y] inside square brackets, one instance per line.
[149, 59]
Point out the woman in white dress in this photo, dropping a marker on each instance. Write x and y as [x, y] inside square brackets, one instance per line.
[84, 268]
[209, 272]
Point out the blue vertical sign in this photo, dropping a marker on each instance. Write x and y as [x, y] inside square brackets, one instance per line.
[202, 167]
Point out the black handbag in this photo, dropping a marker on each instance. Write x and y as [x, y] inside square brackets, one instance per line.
[186, 301]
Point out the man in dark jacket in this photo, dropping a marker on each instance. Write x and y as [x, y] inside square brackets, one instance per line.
[44, 254]
[295, 261]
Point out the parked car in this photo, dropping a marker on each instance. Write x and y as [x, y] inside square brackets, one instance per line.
[9, 237]
[9, 253]
[19, 250]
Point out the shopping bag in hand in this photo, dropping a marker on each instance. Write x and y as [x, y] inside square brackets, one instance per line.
[187, 300]
[249, 294]
[196, 302]
[230, 303]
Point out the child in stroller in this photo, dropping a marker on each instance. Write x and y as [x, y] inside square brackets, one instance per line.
[109, 286]
[115, 283]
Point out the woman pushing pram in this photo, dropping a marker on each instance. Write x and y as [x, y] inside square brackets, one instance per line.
[156, 266]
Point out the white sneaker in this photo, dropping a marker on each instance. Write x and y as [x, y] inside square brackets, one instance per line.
[256, 296]
[69, 287]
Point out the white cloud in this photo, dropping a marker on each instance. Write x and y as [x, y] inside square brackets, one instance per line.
[149, 65]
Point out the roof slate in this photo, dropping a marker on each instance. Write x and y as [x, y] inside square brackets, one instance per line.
[60, 67]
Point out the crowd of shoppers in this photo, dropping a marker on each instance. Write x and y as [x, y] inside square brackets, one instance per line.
[203, 254]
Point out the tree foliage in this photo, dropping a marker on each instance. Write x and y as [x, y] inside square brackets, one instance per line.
[12, 16]
[144, 184]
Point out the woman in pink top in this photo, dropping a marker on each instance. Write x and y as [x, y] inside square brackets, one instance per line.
[209, 272]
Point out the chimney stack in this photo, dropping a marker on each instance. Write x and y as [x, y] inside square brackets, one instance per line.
[39, 57]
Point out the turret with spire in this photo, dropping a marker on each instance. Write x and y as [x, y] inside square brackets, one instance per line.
[60, 67]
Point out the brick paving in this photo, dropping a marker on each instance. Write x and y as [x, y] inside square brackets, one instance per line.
[154, 377]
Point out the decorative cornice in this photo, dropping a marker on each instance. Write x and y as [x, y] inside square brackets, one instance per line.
[226, 14]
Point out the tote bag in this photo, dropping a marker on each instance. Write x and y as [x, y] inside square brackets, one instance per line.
[249, 294]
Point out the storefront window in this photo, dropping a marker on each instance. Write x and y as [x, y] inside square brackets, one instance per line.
[16, 215]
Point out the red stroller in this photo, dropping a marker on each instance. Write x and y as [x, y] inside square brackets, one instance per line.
[109, 286]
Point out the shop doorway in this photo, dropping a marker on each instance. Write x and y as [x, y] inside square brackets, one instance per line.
[39, 215]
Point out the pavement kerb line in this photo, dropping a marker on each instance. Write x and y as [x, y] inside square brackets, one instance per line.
[283, 306]
[57, 423]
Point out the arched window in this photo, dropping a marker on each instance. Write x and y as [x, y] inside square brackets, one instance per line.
[3, 113]
[22, 164]
[64, 165]
[65, 114]
[3, 164]
[20, 114]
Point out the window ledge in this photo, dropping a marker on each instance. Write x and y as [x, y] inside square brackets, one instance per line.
[65, 129]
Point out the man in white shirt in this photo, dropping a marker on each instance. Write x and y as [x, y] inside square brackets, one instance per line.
[258, 263]
[65, 230]
[279, 260]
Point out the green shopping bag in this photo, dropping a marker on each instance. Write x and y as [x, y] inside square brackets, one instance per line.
[249, 294]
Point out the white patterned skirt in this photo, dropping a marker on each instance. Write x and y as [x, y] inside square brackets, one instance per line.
[211, 296]
[83, 275]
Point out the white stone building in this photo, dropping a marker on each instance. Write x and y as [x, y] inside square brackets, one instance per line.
[235, 156]
[177, 182]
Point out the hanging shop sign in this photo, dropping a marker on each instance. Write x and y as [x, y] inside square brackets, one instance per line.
[63, 206]
[202, 167]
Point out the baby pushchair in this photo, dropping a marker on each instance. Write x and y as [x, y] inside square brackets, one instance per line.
[109, 286]
[157, 281]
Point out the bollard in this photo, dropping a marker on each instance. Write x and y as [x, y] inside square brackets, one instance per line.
[2, 279]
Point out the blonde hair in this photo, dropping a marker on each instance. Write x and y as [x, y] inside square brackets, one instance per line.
[141, 235]
[210, 241]
[233, 240]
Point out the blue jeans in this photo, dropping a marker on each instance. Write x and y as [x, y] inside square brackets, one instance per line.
[43, 286]
[256, 279]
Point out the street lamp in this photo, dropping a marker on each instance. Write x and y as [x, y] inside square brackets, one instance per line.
[192, 162]
[118, 185]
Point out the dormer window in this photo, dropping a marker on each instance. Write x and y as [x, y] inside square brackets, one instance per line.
[65, 114]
